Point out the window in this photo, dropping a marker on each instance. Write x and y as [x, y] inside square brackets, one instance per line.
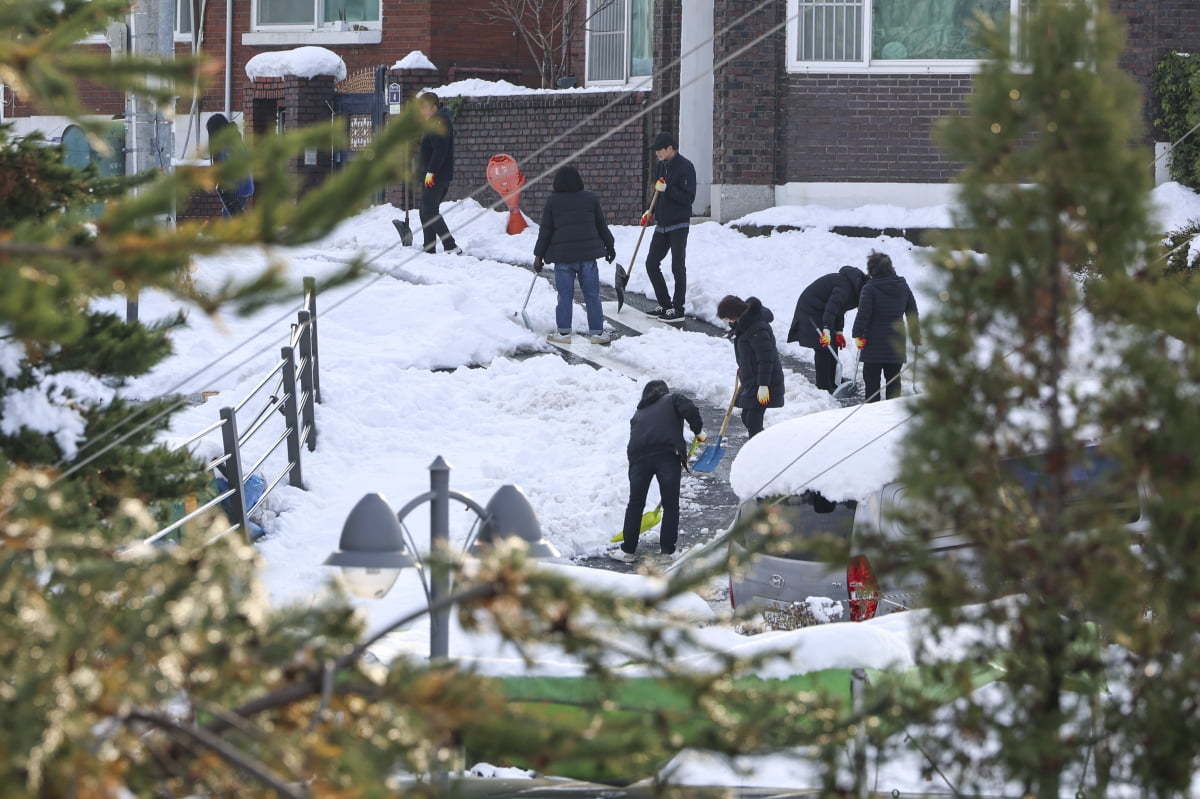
[620, 40]
[316, 13]
[183, 18]
[891, 34]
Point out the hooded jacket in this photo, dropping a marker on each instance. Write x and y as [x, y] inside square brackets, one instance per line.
[757, 356]
[573, 227]
[657, 425]
[886, 301]
[824, 304]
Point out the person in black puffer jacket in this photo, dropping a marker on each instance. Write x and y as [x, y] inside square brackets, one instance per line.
[821, 308]
[879, 330]
[435, 157]
[573, 234]
[656, 450]
[760, 372]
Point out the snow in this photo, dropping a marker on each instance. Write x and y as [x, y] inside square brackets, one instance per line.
[417, 361]
[301, 62]
[414, 60]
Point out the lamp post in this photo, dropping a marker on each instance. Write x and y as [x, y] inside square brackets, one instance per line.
[375, 544]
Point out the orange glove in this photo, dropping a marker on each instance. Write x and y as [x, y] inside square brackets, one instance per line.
[764, 395]
[823, 339]
[428, 180]
[860, 342]
[646, 217]
[660, 184]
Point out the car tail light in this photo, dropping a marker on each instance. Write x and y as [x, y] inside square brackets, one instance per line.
[862, 588]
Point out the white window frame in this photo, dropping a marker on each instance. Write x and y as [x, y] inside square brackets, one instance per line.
[880, 66]
[626, 46]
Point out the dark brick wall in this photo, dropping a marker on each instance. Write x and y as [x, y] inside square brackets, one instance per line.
[1153, 29]
[668, 21]
[869, 128]
[521, 125]
[746, 91]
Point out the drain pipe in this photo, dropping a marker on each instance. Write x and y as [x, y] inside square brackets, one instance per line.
[228, 58]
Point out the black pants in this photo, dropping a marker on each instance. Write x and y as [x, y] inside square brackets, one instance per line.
[891, 373]
[753, 417]
[674, 242]
[825, 360]
[668, 470]
[433, 226]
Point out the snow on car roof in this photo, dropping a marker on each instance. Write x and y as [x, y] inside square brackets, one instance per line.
[844, 453]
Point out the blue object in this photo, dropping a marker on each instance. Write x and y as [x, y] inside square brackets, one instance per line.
[252, 491]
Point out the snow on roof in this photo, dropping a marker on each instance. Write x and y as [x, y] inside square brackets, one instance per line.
[844, 453]
[414, 60]
[302, 62]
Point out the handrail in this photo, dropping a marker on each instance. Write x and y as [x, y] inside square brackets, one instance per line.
[295, 397]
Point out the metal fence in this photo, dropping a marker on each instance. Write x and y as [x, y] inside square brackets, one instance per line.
[285, 417]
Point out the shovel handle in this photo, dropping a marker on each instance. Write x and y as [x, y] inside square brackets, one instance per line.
[737, 385]
[638, 246]
[529, 293]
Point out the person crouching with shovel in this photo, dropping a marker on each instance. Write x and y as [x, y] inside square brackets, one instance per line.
[657, 451]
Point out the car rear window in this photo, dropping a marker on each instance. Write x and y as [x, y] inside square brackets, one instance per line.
[1094, 481]
[809, 517]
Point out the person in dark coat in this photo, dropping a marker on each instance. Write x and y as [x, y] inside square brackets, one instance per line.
[435, 157]
[656, 450]
[224, 140]
[760, 372]
[885, 309]
[572, 236]
[821, 308]
[675, 184]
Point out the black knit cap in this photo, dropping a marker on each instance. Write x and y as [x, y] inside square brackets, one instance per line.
[663, 141]
[731, 307]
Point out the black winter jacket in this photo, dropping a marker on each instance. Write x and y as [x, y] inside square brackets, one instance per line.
[885, 301]
[573, 229]
[657, 426]
[436, 151]
[757, 356]
[674, 205]
[824, 304]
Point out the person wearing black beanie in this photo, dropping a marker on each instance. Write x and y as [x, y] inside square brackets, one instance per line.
[760, 371]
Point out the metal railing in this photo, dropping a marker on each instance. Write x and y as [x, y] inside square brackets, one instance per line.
[287, 414]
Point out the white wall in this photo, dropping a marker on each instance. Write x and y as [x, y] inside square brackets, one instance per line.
[696, 97]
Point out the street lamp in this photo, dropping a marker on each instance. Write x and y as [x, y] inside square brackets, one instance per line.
[375, 543]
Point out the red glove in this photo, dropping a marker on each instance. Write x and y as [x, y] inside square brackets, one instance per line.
[428, 180]
[646, 217]
[840, 338]
[824, 338]
[860, 342]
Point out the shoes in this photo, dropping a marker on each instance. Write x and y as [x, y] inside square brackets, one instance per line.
[454, 251]
[559, 337]
[667, 558]
[621, 556]
[603, 337]
[671, 316]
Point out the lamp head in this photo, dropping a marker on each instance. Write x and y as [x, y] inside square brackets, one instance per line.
[371, 551]
[508, 513]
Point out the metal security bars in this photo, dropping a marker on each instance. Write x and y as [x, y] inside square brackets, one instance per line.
[830, 30]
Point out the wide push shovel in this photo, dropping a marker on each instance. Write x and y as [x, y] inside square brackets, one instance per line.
[711, 455]
[621, 279]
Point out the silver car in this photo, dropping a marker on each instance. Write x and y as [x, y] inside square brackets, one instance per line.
[794, 573]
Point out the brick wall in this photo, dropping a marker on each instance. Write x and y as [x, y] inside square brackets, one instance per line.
[869, 128]
[1153, 29]
[668, 22]
[746, 91]
[521, 125]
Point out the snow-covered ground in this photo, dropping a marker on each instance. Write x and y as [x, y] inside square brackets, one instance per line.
[396, 395]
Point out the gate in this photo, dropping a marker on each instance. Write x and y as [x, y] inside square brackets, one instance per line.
[360, 101]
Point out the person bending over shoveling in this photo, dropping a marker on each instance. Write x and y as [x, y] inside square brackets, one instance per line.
[656, 450]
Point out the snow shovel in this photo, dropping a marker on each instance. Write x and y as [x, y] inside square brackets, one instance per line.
[846, 389]
[402, 226]
[621, 279]
[651, 518]
[711, 455]
[528, 294]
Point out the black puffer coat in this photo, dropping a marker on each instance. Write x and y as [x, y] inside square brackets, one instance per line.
[824, 304]
[757, 356]
[657, 424]
[573, 225]
[886, 299]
